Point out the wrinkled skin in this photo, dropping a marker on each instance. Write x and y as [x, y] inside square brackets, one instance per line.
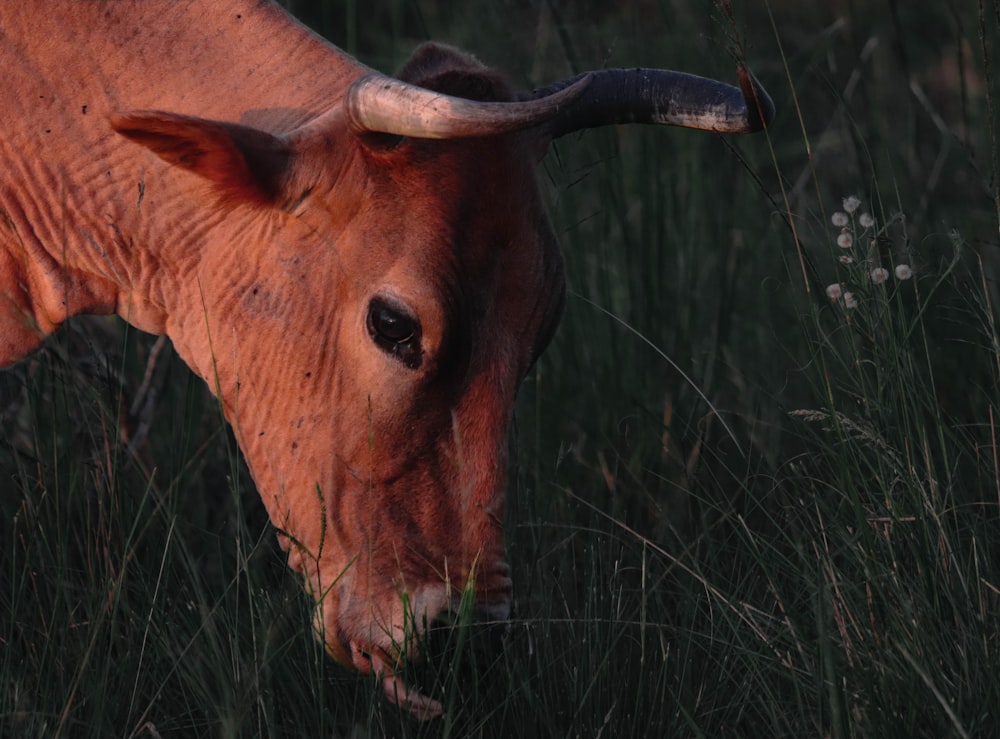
[283, 258]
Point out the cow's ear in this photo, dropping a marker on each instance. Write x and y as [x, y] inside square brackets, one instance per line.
[243, 164]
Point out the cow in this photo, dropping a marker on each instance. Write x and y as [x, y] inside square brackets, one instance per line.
[359, 266]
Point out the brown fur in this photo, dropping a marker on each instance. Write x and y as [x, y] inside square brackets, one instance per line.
[453, 72]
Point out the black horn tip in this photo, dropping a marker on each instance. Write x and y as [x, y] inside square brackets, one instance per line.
[760, 107]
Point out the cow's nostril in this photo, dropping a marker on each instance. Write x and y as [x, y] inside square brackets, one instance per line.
[361, 657]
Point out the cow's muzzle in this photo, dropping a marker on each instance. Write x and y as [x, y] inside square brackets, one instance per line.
[485, 604]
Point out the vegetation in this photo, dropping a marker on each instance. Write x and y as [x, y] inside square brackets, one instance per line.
[755, 487]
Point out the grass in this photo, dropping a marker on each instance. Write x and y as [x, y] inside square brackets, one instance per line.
[814, 550]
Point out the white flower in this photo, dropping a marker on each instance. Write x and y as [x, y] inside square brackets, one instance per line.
[845, 259]
[866, 220]
[850, 301]
[851, 203]
[845, 240]
[879, 275]
[839, 219]
[903, 272]
[834, 291]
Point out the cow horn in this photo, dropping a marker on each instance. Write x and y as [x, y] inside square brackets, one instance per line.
[379, 104]
[663, 97]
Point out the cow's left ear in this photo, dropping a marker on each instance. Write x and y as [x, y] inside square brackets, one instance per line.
[243, 164]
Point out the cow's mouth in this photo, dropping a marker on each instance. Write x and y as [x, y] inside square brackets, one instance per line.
[382, 647]
[373, 660]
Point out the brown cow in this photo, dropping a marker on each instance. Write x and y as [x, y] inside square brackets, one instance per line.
[359, 267]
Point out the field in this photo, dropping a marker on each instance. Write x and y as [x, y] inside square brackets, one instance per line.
[755, 480]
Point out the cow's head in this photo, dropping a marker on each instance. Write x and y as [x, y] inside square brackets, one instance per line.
[380, 282]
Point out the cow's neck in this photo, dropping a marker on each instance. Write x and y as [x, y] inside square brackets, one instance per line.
[92, 223]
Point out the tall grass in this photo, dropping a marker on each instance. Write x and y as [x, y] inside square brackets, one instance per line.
[737, 506]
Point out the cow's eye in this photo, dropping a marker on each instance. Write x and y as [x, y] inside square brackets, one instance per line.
[395, 331]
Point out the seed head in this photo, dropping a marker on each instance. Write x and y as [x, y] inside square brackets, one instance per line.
[879, 275]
